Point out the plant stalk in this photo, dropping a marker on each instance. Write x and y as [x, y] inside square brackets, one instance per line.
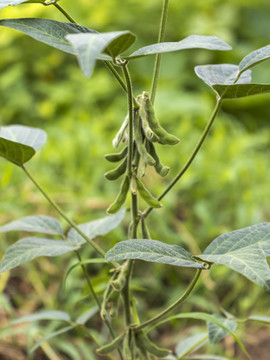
[65, 13]
[161, 37]
[192, 156]
[170, 308]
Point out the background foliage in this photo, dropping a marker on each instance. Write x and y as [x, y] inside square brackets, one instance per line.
[225, 189]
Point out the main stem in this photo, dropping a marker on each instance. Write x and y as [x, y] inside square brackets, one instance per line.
[192, 156]
[161, 37]
[161, 315]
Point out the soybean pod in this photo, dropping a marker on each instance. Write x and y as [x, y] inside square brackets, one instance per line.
[119, 136]
[117, 172]
[116, 343]
[146, 195]
[145, 126]
[143, 342]
[118, 156]
[121, 197]
[140, 142]
[160, 168]
[163, 136]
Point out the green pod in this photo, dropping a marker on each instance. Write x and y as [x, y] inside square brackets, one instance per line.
[140, 142]
[117, 172]
[143, 342]
[163, 136]
[119, 136]
[160, 168]
[146, 195]
[149, 134]
[121, 197]
[119, 283]
[118, 156]
[116, 343]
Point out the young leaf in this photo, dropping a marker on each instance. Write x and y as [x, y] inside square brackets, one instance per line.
[152, 250]
[18, 143]
[216, 333]
[191, 42]
[191, 343]
[50, 32]
[89, 47]
[96, 227]
[36, 223]
[51, 335]
[254, 58]
[244, 251]
[5, 3]
[43, 315]
[30, 248]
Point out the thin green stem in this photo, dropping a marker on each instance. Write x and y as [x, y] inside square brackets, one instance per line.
[161, 37]
[60, 212]
[192, 156]
[170, 308]
[65, 13]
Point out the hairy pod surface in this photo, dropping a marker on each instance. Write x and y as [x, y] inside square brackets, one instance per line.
[120, 134]
[121, 197]
[160, 168]
[117, 172]
[143, 342]
[146, 195]
[117, 156]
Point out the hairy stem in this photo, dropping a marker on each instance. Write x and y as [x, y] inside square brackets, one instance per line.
[170, 308]
[65, 13]
[192, 156]
[161, 37]
[60, 212]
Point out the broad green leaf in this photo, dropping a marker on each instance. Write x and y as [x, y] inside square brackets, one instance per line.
[262, 319]
[152, 250]
[18, 144]
[51, 335]
[254, 58]
[5, 3]
[216, 333]
[43, 315]
[204, 317]
[50, 32]
[89, 47]
[241, 90]
[30, 248]
[120, 44]
[191, 343]
[96, 227]
[244, 251]
[36, 223]
[191, 42]
[84, 317]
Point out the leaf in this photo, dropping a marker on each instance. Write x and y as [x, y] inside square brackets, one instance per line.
[50, 336]
[244, 251]
[84, 317]
[241, 90]
[43, 315]
[262, 319]
[152, 250]
[216, 333]
[120, 44]
[254, 58]
[5, 3]
[96, 227]
[30, 248]
[205, 317]
[18, 143]
[191, 343]
[191, 42]
[36, 223]
[50, 32]
[89, 47]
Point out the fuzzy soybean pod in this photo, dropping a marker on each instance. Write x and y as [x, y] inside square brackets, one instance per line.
[116, 343]
[160, 168]
[117, 172]
[120, 134]
[146, 128]
[140, 142]
[146, 195]
[143, 342]
[117, 156]
[121, 197]
[163, 136]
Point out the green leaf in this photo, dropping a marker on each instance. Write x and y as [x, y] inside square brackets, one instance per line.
[216, 333]
[18, 144]
[37, 223]
[241, 90]
[30, 248]
[262, 319]
[43, 315]
[254, 58]
[152, 250]
[205, 317]
[5, 3]
[244, 251]
[84, 317]
[120, 44]
[191, 343]
[89, 47]
[96, 227]
[50, 32]
[191, 42]
[51, 335]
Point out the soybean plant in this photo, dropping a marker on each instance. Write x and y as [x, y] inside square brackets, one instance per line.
[244, 250]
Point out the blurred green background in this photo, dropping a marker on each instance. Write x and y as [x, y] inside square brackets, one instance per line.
[227, 186]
